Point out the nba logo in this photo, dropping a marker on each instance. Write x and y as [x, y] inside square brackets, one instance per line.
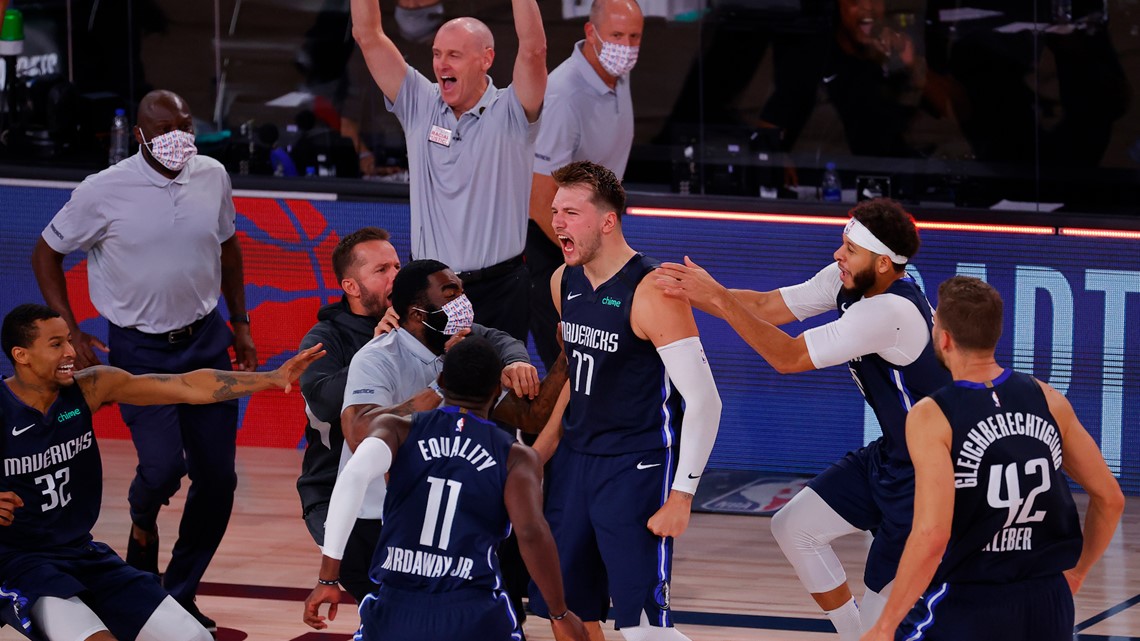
[459, 425]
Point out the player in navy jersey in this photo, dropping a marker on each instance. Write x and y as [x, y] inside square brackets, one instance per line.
[457, 484]
[996, 552]
[56, 583]
[623, 476]
[883, 334]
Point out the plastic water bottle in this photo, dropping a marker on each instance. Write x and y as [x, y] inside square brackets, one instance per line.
[119, 141]
[830, 189]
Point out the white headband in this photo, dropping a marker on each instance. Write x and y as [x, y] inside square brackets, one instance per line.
[857, 233]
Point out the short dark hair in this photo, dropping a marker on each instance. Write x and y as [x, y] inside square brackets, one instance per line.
[890, 223]
[471, 370]
[410, 285]
[971, 310]
[609, 195]
[19, 328]
[343, 256]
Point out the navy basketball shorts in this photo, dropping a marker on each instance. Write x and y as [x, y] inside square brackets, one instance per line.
[1038, 609]
[461, 615]
[876, 494]
[122, 597]
[598, 508]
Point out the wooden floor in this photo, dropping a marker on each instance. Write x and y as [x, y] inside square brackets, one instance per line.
[729, 575]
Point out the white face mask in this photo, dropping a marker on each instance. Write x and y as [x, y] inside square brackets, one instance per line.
[172, 149]
[617, 59]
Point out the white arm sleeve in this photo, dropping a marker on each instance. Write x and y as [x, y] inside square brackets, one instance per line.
[371, 461]
[689, 370]
[887, 325]
[815, 295]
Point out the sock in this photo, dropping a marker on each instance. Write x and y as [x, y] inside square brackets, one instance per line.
[845, 618]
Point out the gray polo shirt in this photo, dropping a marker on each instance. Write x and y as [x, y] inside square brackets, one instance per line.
[392, 368]
[583, 119]
[470, 189]
[153, 244]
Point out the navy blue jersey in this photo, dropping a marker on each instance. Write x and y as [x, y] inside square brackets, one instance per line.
[1014, 517]
[51, 461]
[444, 514]
[891, 390]
[621, 399]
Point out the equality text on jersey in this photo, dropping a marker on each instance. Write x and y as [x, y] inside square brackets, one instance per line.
[457, 446]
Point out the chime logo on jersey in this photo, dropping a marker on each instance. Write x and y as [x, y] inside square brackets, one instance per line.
[68, 415]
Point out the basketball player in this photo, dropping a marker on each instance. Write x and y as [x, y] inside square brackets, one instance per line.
[883, 334]
[58, 584]
[618, 490]
[457, 485]
[995, 526]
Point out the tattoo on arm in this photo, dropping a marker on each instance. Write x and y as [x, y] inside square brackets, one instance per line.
[229, 387]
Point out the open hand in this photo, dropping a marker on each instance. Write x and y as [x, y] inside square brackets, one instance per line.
[292, 369]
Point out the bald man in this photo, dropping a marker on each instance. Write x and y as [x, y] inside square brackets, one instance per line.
[158, 230]
[470, 151]
[588, 115]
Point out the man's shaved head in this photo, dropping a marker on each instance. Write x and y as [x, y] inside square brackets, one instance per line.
[476, 30]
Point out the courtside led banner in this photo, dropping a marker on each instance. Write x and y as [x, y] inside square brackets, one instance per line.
[1072, 317]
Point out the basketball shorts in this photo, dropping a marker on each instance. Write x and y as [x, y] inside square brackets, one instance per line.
[463, 615]
[598, 508]
[873, 493]
[1038, 609]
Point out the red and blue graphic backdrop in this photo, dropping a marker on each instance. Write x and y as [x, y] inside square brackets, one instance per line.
[1072, 317]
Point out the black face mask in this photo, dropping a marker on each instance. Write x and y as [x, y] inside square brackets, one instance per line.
[435, 339]
[438, 323]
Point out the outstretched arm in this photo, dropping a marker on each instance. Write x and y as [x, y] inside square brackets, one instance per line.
[691, 282]
[1084, 462]
[102, 385]
[530, 64]
[928, 439]
[380, 53]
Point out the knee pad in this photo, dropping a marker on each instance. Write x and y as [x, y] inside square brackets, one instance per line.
[804, 529]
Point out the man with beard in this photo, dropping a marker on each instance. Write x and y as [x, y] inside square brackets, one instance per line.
[365, 264]
[989, 568]
[390, 374]
[883, 334]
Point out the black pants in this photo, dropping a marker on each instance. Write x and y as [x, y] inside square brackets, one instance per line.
[502, 302]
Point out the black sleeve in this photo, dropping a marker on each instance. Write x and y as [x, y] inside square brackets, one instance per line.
[322, 384]
[510, 349]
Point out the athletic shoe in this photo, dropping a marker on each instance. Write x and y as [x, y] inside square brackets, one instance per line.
[208, 623]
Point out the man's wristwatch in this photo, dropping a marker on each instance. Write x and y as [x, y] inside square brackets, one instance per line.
[239, 318]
